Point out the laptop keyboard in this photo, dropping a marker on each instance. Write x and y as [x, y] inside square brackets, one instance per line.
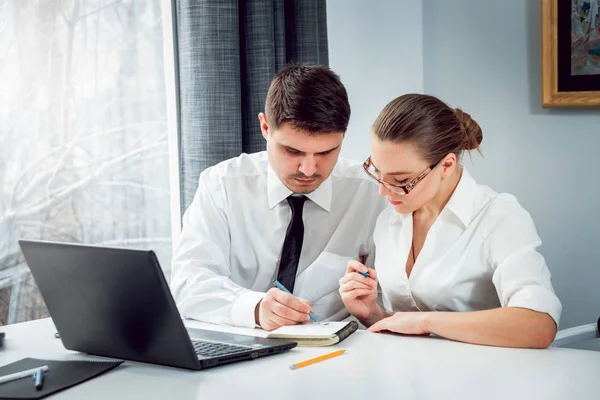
[211, 349]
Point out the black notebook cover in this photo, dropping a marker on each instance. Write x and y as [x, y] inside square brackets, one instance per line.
[60, 375]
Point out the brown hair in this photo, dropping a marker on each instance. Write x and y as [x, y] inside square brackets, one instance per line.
[436, 129]
[309, 97]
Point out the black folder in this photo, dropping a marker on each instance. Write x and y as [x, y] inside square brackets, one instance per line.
[60, 375]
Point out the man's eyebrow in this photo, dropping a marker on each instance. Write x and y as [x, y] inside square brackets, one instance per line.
[330, 150]
[302, 152]
[291, 148]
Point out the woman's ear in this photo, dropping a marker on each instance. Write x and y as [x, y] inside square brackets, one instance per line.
[449, 164]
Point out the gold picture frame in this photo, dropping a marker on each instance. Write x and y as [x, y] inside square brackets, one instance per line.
[558, 41]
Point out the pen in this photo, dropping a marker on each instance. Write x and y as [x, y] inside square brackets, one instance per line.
[317, 359]
[38, 379]
[22, 374]
[281, 287]
[365, 274]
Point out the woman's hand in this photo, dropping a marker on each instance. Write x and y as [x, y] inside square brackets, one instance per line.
[358, 292]
[408, 323]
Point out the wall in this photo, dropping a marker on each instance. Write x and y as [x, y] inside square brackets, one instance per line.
[547, 158]
[465, 52]
[374, 61]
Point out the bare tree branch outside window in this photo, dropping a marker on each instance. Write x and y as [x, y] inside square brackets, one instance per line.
[83, 137]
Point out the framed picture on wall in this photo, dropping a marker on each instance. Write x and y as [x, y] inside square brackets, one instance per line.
[570, 53]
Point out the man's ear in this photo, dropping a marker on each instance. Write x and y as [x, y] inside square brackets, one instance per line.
[264, 124]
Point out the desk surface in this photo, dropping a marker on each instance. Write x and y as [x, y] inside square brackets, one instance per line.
[375, 366]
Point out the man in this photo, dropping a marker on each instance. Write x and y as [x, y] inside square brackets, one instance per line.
[294, 213]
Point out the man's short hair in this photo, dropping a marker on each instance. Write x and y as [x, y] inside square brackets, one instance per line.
[311, 98]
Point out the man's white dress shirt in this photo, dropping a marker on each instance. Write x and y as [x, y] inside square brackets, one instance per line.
[233, 234]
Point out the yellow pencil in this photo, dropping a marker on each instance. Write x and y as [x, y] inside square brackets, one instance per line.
[317, 359]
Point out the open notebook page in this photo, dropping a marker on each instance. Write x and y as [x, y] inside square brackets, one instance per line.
[310, 330]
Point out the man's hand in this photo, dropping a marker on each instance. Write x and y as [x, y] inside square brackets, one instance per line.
[279, 308]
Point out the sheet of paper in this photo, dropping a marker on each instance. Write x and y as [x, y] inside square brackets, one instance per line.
[191, 325]
[311, 329]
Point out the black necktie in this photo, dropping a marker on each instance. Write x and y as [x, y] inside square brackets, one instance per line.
[292, 245]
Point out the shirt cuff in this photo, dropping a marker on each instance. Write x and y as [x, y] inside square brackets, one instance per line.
[537, 298]
[242, 312]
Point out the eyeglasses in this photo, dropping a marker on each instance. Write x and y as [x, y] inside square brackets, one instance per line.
[398, 189]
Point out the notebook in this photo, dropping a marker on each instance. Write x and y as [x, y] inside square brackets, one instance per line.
[316, 333]
[61, 375]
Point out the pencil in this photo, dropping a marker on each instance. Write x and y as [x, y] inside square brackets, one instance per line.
[317, 359]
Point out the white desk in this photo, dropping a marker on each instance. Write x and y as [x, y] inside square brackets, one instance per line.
[375, 366]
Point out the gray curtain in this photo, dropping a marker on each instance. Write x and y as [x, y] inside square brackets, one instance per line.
[228, 51]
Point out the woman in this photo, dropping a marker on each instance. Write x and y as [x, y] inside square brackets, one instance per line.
[447, 243]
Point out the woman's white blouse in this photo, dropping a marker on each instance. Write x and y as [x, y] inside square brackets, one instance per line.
[480, 253]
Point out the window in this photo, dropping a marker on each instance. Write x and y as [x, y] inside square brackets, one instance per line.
[83, 134]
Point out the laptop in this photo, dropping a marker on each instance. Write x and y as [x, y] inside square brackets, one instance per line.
[116, 303]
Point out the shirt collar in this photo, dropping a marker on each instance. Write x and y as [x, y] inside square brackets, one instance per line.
[398, 218]
[460, 203]
[277, 191]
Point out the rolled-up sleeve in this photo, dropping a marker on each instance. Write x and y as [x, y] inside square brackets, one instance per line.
[520, 274]
[200, 278]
